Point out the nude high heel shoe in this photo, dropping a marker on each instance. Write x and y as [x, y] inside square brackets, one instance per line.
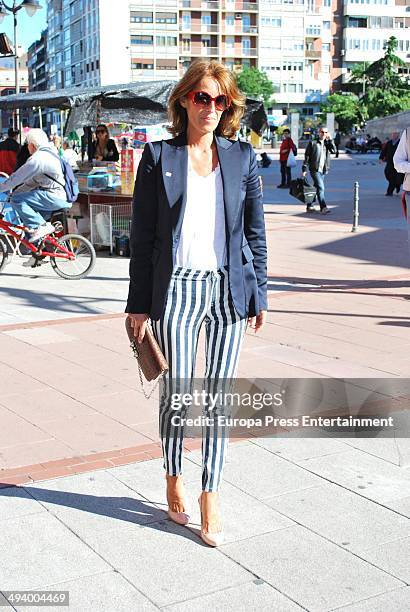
[212, 539]
[174, 503]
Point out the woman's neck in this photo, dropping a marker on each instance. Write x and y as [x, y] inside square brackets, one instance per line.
[201, 141]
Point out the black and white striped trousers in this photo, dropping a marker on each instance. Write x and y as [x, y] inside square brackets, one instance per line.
[195, 297]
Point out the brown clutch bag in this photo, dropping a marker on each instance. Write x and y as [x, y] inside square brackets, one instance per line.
[151, 361]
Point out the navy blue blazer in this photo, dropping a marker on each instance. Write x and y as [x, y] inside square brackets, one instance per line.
[158, 210]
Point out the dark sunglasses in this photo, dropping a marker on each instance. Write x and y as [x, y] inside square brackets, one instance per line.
[201, 98]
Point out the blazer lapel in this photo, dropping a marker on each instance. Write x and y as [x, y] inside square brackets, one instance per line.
[174, 164]
[230, 159]
[175, 170]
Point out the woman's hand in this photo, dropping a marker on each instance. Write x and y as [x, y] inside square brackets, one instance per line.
[99, 158]
[139, 325]
[256, 323]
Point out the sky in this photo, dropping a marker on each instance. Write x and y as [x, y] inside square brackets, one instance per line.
[28, 28]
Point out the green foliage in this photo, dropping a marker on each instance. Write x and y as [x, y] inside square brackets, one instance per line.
[254, 82]
[346, 108]
[381, 89]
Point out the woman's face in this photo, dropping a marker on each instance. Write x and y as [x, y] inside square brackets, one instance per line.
[101, 134]
[204, 119]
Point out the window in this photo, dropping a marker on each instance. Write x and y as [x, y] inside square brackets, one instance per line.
[167, 64]
[186, 21]
[327, 2]
[141, 17]
[142, 40]
[168, 18]
[326, 25]
[205, 19]
[313, 30]
[142, 64]
[381, 22]
[168, 41]
[357, 22]
[326, 47]
[274, 22]
[229, 19]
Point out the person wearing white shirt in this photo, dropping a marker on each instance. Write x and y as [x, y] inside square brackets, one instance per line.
[198, 258]
[401, 162]
[70, 155]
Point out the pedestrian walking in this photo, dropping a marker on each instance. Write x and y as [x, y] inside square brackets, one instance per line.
[401, 161]
[287, 147]
[9, 149]
[337, 140]
[198, 256]
[317, 160]
[394, 178]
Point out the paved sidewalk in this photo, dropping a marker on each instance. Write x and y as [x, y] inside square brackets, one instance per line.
[311, 524]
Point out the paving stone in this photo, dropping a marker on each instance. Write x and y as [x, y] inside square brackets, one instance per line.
[98, 593]
[167, 562]
[243, 469]
[393, 601]
[38, 549]
[393, 557]
[400, 505]
[148, 479]
[293, 446]
[16, 502]
[345, 518]
[93, 502]
[255, 595]
[242, 515]
[313, 572]
[364, 474]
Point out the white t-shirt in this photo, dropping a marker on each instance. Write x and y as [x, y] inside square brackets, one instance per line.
[202, 244]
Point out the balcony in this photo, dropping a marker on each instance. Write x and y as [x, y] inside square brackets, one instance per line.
[198, 51]
[235, 52]
[313, 55]
[239, 6]
[199, 28]
[199, 4]
[244, 29]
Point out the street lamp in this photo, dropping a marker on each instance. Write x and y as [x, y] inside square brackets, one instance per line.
[31, 6]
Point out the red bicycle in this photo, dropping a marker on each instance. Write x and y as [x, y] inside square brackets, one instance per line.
[71, 256]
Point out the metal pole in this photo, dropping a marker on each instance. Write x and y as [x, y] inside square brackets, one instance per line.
[40, 116]
[16, 73]
[356, 207]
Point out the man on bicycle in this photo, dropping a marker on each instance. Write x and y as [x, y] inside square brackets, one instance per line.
[38, 186]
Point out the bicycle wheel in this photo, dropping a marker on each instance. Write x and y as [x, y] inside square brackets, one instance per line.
[84, 260]
[3, 254]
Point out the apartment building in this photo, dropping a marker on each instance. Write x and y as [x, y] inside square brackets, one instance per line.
[89, 43]
[306, 47]
[36, 63]
[295, 50]
[367, 25]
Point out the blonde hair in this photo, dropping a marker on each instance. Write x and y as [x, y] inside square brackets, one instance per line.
[230, 120]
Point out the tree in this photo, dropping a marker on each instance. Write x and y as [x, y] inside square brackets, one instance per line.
[381, 89]
[254, 82]
[346, 109]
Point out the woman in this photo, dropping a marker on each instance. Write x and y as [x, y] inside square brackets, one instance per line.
[104, 148]
[198, 253]
[287, 145]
